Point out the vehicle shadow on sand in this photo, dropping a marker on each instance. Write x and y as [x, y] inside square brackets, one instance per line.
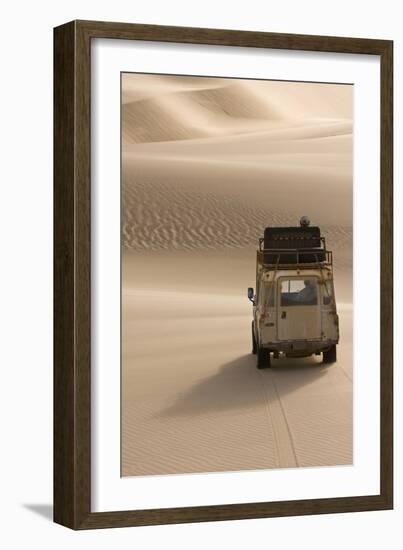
[238, 384]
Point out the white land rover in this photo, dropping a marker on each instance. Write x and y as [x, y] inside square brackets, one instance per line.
[294, 307]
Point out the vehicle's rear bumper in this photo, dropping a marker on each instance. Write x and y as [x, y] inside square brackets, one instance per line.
[300, 347]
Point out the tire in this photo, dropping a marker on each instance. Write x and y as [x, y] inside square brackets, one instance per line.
[330, 356]
[254, 345]
[263, 358]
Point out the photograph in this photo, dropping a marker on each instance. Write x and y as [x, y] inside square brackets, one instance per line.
[236, 274]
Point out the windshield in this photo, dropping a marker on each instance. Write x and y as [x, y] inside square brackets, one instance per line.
[299, 292]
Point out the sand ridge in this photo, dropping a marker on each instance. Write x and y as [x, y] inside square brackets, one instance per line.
[219, 105]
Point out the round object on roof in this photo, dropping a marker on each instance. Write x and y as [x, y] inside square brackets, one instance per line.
[304, 221]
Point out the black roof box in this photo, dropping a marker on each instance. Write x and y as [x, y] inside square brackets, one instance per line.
[291, 237]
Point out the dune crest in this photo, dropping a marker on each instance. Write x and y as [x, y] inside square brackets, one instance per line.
[181, 108]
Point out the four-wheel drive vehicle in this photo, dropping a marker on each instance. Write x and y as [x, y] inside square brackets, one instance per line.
[294, 308]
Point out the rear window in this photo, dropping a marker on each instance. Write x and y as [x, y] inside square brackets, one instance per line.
[299, 292]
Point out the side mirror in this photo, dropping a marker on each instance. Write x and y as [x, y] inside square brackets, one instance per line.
[251, 294]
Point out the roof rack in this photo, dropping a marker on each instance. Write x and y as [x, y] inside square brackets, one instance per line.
[292, 258]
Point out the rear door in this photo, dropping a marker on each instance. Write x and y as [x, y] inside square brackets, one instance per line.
[298, 309]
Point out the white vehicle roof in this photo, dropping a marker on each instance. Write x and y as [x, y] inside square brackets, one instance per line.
[271, 275]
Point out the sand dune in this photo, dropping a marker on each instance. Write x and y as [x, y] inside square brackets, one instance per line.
[179, 142]
[285, 138]
[191, 220]
[189, 114]
[141, 86]
[170, 112]
[207, 163]
[188, 212]
[152, 120]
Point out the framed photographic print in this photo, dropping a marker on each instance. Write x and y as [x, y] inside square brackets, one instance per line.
[222, 275]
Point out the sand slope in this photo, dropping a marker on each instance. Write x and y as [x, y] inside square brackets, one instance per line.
[221, 106]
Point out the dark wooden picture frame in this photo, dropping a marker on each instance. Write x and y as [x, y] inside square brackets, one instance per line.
[72, 268]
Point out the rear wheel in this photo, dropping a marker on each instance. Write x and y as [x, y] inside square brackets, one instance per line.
[330, 356]
[263, 358]
[254, 346]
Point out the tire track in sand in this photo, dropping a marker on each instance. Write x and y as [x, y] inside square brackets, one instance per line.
[286, 454]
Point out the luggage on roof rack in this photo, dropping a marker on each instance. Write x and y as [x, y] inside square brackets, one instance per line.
[291, 237]
[292, 245]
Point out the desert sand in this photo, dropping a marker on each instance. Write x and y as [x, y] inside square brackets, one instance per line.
[208, 163]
